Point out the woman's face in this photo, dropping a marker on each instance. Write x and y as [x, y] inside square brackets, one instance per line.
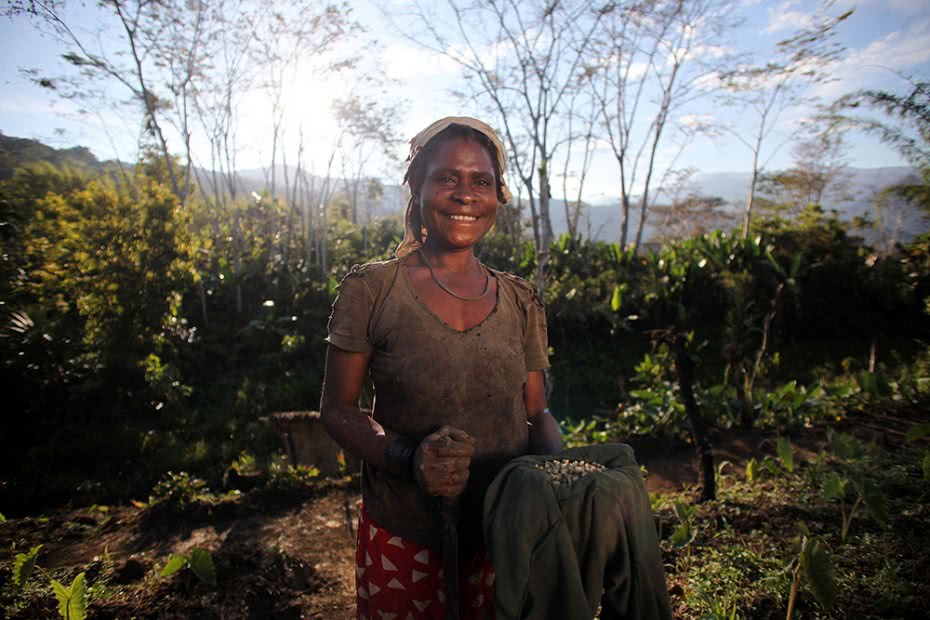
[458, 199]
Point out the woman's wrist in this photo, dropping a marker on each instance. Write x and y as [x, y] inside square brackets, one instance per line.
[398, 456]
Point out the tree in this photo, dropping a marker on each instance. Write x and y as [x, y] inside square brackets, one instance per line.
[524, 71]
[818, 169]
[688, 213]
[156, 62]
[588, 119]
[637, 70]
[779, 84]
[369, 128]
[907, 129]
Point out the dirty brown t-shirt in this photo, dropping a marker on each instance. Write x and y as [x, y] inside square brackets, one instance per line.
[434, 375]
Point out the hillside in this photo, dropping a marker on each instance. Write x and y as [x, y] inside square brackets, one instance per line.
[599, 221]
[15, 152]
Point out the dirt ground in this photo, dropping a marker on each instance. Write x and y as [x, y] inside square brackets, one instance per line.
[278, 554]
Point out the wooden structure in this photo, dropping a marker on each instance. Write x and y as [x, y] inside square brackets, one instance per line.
[308, 443]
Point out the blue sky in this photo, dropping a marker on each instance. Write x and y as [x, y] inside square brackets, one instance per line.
[883, 38]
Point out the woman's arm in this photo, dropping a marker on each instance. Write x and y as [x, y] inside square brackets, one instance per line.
[545, 436]
[439, 463]
[353, 430]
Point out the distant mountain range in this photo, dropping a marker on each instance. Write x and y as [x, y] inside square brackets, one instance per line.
[600, 220]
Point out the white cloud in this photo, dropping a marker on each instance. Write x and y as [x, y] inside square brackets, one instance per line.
[904, 7]
[782, 18]
[873, 65]
[696, 121]
[403, 61]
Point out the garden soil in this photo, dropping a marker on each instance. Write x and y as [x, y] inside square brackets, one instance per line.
[278, 554]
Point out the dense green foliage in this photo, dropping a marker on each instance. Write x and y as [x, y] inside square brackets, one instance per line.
[141, 335]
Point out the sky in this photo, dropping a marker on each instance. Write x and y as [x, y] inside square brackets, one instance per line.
[884, 40]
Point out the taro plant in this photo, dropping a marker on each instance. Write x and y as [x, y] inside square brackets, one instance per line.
[813, 567]
[684, 534]
[852, 480]
[200, 562]
[867, 493]
[784, 462]
[72, 600]
[785, 454]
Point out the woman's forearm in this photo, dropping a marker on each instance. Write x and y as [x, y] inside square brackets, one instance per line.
[545, 434]
[357, 432]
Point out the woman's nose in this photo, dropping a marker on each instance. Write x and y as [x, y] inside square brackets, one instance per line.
[464, 194]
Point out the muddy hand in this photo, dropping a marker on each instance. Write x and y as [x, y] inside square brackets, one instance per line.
[441, 461]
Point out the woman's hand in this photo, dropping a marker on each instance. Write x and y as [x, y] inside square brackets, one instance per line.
[441, 462]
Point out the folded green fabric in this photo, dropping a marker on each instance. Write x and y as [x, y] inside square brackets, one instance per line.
[561, 548]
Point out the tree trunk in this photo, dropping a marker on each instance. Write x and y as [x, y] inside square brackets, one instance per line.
[684, 366]
[237, 259]
[545, 230]
[624, 220]
[752, 195]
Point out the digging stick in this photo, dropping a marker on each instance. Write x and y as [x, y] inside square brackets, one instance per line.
[449, 508]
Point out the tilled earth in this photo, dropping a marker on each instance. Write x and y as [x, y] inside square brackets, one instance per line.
[278, 554]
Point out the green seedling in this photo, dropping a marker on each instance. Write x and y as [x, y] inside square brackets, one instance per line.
[844, 446]
[72, 600]
[813, 566]
[684, 534]
[199, 561]
[785, 453]
[716, 609]
[867, 493]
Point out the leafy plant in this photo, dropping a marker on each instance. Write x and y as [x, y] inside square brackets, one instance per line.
[785, 453]
[199, 561]
[72, 600]
[814, 567]
[283, 475]
[684, 534]
[716, 609]
[23, 565]
[868, 493]
[179, 488]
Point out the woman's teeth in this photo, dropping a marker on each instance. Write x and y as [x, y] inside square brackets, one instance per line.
[463, 218]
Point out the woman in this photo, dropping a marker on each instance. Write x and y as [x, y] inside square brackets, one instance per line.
[456, 353]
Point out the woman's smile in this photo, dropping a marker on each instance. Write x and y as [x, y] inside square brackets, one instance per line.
[462, 218]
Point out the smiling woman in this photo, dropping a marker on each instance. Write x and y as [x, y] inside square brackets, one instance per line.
[456, 353]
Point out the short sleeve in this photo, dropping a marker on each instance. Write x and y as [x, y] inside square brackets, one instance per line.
[535, 340]
[349, 321]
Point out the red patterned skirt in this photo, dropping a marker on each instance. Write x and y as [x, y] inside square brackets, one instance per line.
[396, 579]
